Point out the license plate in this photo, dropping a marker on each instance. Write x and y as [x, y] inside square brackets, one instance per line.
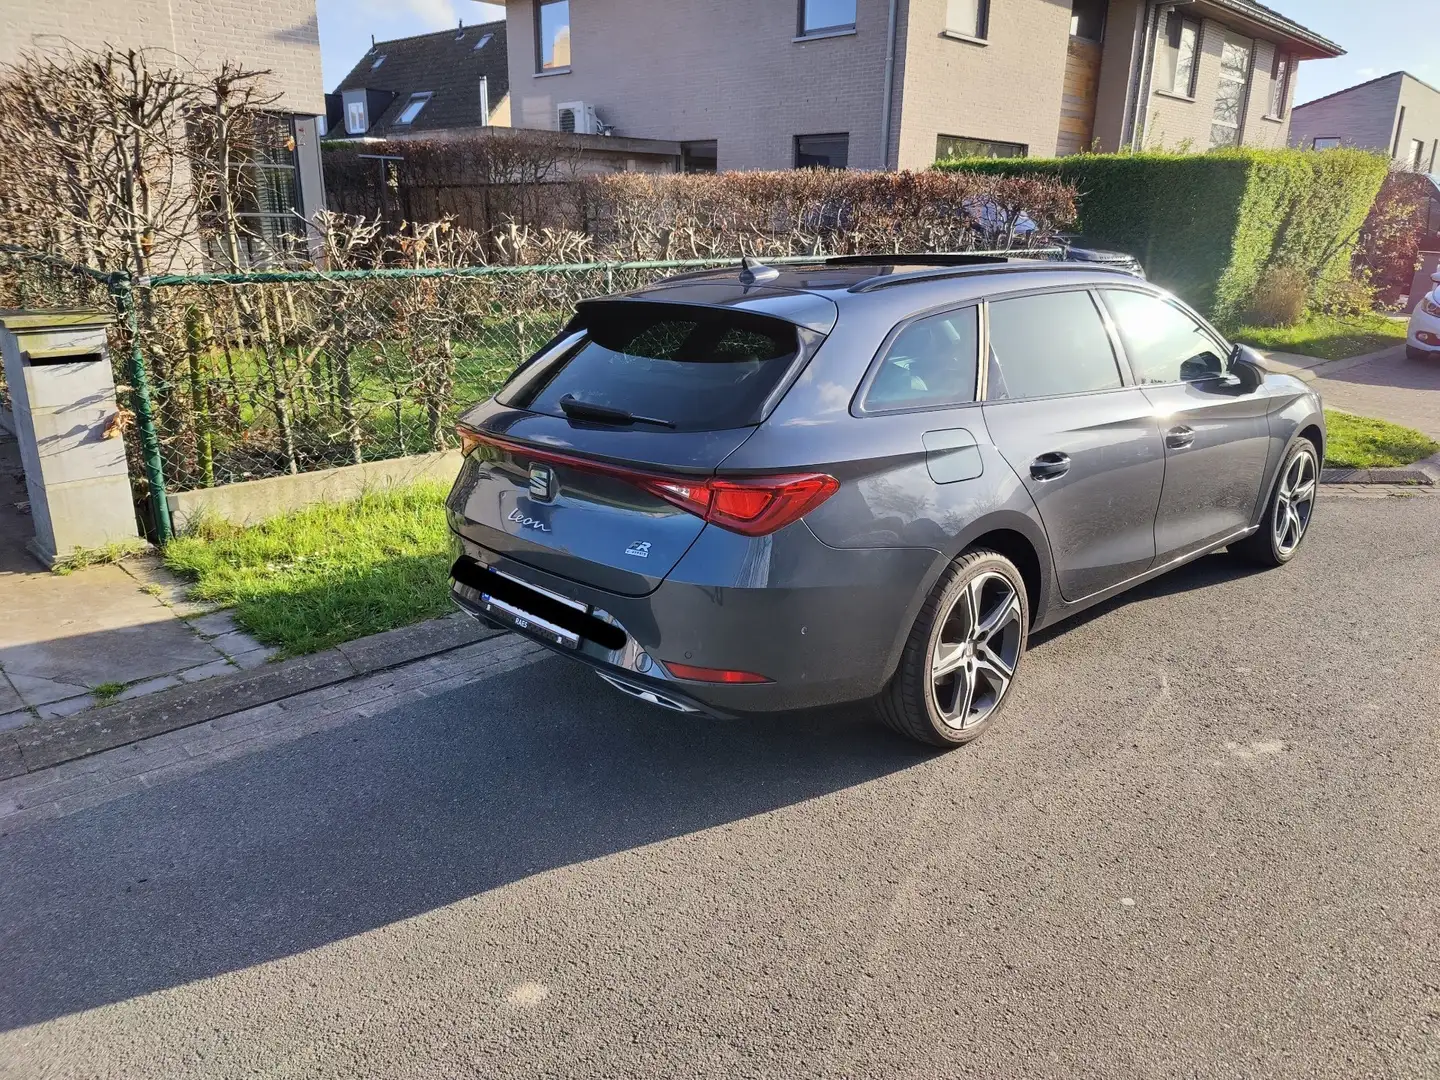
[522, 620]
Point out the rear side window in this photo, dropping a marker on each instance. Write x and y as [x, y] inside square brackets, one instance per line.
[1048, 344]
[931, 362]
[1164, 344]
[697, 368]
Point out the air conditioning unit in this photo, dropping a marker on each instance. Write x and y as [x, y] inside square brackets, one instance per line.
[578, 118]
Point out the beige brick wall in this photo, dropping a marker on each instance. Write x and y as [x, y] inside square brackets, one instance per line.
[1008, 89]
[1175, 122]
[279, 35]
[695, 71]
[1422, 121]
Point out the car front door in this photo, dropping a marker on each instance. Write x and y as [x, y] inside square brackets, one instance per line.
[1085, 444]
[1216, 432]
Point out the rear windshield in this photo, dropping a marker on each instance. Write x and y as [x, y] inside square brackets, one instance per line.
[696, 368]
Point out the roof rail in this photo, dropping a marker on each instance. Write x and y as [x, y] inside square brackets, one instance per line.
[946, 258]
[885, 281]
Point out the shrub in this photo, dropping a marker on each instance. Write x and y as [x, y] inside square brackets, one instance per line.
[1208, 225]
[1348, 298]
[1390, 239]
[654, 216]
[1279, 298]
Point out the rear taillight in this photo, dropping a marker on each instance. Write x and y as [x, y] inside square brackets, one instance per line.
[751, 505]
[712, 675]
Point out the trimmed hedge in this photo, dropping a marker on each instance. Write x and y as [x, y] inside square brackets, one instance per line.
[1207, 225]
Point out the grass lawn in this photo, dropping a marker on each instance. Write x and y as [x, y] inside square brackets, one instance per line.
[1326, 336]
[1361, 442]
[329, 573]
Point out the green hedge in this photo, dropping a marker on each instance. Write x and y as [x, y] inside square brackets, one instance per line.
[1207, 225]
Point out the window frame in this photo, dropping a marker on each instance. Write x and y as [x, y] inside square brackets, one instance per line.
[1226, 347]
[1024, 148]
[417, 100]
[822, 31]
[1336, 139]
[1189, 92]
[795, 148]
[858, 406]
[1282, 67]
[1246, 84]
[540, 66]
[982, 20]
[1117, 352]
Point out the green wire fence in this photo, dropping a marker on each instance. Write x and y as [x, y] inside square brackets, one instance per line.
[235, 377]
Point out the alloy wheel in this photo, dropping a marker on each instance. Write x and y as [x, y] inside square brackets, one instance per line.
[1294, 503]
[976, 651]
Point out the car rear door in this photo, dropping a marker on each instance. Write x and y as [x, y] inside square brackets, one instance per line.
[1085, 444]
[1216, 433]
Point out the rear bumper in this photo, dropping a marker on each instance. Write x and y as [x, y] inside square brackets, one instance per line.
[824, 625]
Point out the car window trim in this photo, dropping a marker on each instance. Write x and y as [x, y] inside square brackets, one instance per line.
[859, 409]
[1122, 364]
[1225, 347]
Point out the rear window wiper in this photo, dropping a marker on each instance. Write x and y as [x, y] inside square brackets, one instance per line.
[582, 410]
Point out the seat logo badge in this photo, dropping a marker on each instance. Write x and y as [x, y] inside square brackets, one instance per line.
[542, 482]
[527, 522]
[640, 549]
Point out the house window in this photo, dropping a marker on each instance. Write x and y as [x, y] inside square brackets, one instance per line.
[1087, 19]
[1279, 84]
[1399, 127]
[968, 18]
[484, 40]
[1226, 123]
[1325, 142]
[1175, 68]
[484, 101]
[265, 222]
[822, 151]
[378, 61]
[699, 157]
[552, 35]
[1417, 154]
[958, 146]
[356, 122]
[412, 109]
[821, 16]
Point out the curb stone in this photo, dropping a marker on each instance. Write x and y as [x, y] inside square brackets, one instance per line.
[43, 744]
[1425, 473]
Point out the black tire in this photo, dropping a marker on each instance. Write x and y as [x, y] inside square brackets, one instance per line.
[1263, 547]
[908, 704]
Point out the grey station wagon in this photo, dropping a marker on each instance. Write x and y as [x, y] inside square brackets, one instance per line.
[866, 478]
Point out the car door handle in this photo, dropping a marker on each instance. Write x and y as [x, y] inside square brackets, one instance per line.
[1050, 466]
[1178, 438]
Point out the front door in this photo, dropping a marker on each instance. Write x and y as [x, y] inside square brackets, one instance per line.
[1216, 435]
[1086, 447]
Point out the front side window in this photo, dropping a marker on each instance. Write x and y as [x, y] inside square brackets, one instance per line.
[1048, 344]
[1164, 344]
[1325, 142]
[968, 18]
[822, 151]
[931, 362]
[1225, 125]
[958, 146]
[552, 38]
[1178, 51]
[1279, 84]
[700, 157]
[818, 16]
[696, 368]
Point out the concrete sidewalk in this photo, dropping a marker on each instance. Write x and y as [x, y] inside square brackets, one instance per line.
[126, 626]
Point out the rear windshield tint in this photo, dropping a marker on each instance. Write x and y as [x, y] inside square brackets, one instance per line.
[700, 369]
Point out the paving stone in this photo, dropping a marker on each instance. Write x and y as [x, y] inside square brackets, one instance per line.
[249, 661]
[207, 671]
[10, 699]
[54, 710]
[149, 686]
[13, 720]
[214, 624]
[37, 691]
[236, 643]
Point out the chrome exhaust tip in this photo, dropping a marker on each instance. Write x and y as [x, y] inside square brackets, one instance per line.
[644, 693]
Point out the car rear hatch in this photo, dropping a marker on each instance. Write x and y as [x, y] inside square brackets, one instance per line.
[595, 462]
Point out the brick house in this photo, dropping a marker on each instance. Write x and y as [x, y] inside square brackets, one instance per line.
[757, 84]
[1396, 114]
[280, 36]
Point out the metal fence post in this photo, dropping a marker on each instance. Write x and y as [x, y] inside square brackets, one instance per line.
[122, 289]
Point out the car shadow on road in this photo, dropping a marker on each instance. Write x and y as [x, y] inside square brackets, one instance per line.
[306, 843]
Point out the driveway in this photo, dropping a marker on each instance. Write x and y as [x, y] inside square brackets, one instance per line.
[1203, 843]
[1390, 387]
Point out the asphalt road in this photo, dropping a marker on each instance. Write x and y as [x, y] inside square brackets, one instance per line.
[1205, 842]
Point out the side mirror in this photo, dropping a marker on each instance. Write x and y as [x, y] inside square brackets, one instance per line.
[1248, 367]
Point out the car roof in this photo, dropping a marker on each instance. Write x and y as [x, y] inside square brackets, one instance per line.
[887, 286]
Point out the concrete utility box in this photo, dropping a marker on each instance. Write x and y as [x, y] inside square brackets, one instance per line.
[62, 393]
